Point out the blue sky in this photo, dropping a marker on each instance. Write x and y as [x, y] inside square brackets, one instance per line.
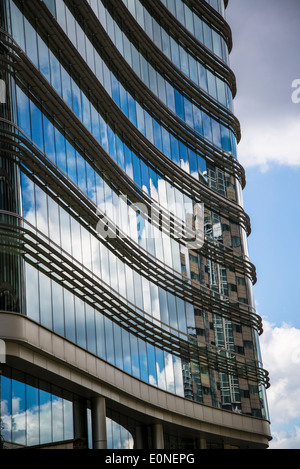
[266, 61]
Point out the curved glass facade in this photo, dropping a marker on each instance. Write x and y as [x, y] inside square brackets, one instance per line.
[126, 233]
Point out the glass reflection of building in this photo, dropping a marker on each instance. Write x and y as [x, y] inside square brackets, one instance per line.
[119, 332]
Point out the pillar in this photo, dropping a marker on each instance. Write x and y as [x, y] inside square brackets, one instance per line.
[202, 443]
[158, 436]
[99, 423]
[80, 420]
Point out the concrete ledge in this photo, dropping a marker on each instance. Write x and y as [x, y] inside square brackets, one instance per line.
[35, 348]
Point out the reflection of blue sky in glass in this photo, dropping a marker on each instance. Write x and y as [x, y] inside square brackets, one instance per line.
[57, 308]
[31, 416]
[45, 417]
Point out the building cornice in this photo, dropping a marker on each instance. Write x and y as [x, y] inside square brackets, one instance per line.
[32, 347]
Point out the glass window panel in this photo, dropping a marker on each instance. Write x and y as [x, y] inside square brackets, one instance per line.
[76, 100]
[23, 111]
[129, 284]
[221, 92]
[31, 42]
[81, 38]
[172, 311]
[161, 85]
[57, 418]
[51, 5]
[18, 411]
[212, 87]
[123, 100]
[217, 47]
[76, 240]
[17, 25]
[49, 144]
[184, 61]
[68, 419]
[6, 408]
[207, 126]
[32, 415]
[136, 371]
[100, 335]
[118, 346]
[36, 126]
[148, 24]
[41, 211]
[181, 315]
[198, 28]
[61, 13]
[127, 50]
[193, 66]
[53, 221]
[153, 80]
[71, 28]
[163, 306]
[109, 341]
[126, 351]
[45, 416]
[175, 54]
[140, 118]
[207, 36]
[45, 300]
[169, 372]
[43, 53]
[28, 197]
[60, 151]
[157, 135]
[189, 19]
[166, 142]
[178, 378]
[32, 293]
[80, 323]
[55, 73]
[216, 127]
[90, 329]
[58, 308]
[179, 103]
[86, 111]
[86, 248]
[109, 433]
[66, 87]
[152, 379]
[143, 361]
[160, 369]
[197, 119]
[69, 315]
[202, 72]
[180, 10]
[138, 290]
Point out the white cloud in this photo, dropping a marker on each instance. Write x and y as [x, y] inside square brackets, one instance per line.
[288, 439]
[281, 356]
[267, 143]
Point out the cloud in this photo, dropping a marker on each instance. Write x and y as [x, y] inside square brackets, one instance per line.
[264, 144]
[265, 67]
[281, 356]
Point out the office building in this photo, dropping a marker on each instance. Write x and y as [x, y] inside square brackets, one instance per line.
[126, 296]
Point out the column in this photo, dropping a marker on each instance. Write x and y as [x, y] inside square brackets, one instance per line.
[141, 437]
[158, 436]
[202, 443]
[80, 420]
[99, 423]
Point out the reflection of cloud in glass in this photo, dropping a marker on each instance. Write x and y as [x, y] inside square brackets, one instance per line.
[118, 437]
[37, 420]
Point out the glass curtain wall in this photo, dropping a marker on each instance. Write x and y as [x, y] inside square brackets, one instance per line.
[100, 123]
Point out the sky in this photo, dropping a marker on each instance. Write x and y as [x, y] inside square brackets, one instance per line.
[266, 61]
